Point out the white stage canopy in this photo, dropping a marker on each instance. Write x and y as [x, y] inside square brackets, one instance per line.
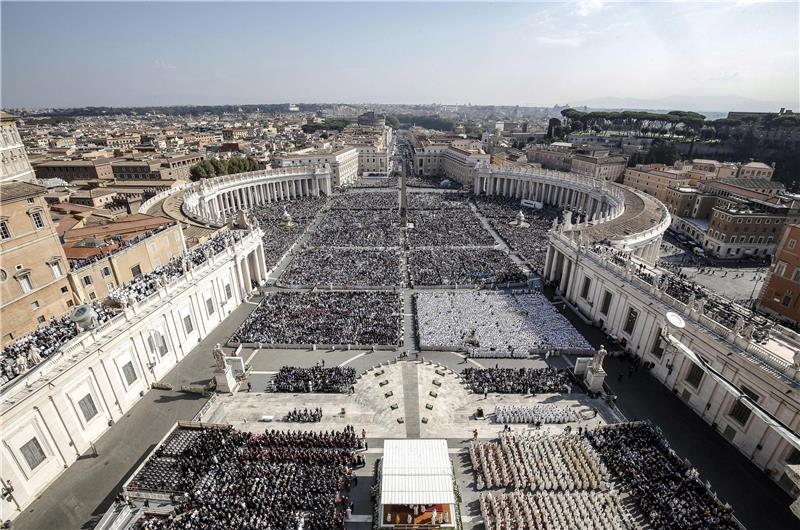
[416, 472]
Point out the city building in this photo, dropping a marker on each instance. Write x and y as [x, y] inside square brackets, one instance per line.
[14, 164]
[33, 277]
[69, 170]
[104, 256]
[780, 294]
[343, 162]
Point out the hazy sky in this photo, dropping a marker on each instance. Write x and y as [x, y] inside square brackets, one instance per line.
[713, 56]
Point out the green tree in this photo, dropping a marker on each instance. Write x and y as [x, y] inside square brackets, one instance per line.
[392, 121]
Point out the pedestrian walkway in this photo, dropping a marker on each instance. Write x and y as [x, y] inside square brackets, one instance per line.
[411, 398]
[80, 496]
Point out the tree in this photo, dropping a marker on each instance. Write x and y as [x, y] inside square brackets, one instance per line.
[392, 121]
[554, 128]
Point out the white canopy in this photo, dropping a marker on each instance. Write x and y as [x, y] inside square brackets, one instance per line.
[416, 472]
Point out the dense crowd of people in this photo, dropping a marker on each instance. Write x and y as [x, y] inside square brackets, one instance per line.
[315, 379]
[304, 416]
[667, 490]
[535, 414]
[530, 241]
[279, 235]
[419, 181]
[30, 350]
[358, 228]
[580, 510]
[342, 267]
[146, 284]
[366, 317]
[376, 182]
[488, 324]
[382, 200]
[676, 284]
[227, 479]
[437, 201]
[557, 482]
[447, 228]
[113, 245]
[463, 266]
[547, 380]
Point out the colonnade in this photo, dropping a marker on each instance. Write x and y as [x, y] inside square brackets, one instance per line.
[579, 194]
[214, 200]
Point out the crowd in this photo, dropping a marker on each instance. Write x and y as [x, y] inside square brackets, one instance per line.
[278, 235]
[146, 284]
[315, 379]
[534, 414]
[447, 228]
[304, 416]
[366, 317]
[343, 267]
[461, 266]
[437, 201]
[667, 490]
[240, 481]
[564, 483]
[376, 182]
[110, 246]
[673, 282]
[581, 510]
[389, 200]
[358, 228]
[28, 351]
[530, 241]
[487, 324]
[417, 181]
[517, 380]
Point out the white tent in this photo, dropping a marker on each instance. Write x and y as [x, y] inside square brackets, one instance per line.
[416, 472]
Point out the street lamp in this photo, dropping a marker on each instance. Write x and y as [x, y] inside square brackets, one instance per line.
[675, 324]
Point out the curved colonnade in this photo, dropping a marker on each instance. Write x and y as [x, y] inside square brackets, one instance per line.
[212, 200]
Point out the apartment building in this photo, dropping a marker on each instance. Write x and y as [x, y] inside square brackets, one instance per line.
[69, 170]
[656, 179]
[343, 162]
[780, 294]
[104, 256]
[14, 164]
[33, 267]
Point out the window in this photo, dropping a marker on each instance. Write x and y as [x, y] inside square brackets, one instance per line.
[129, 373]
[105, 272]
[780, 268]
[40, 319]
[741, 412]
[92, 296]
[86, 280]
[157, 343]
[5, 233]
[630, 323]
[87, 407]
[587, 283]
[228, 292]
[187, 324]
[35, 304]
[658, 345]
[56, 268]
[606, 305]
[787, 298]
[64, 289]
[38, 222]
[25, 283]
[791, 243]
[33, 453]
[694, 375]
[796, 275]
[210, 306]
[136, 271]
